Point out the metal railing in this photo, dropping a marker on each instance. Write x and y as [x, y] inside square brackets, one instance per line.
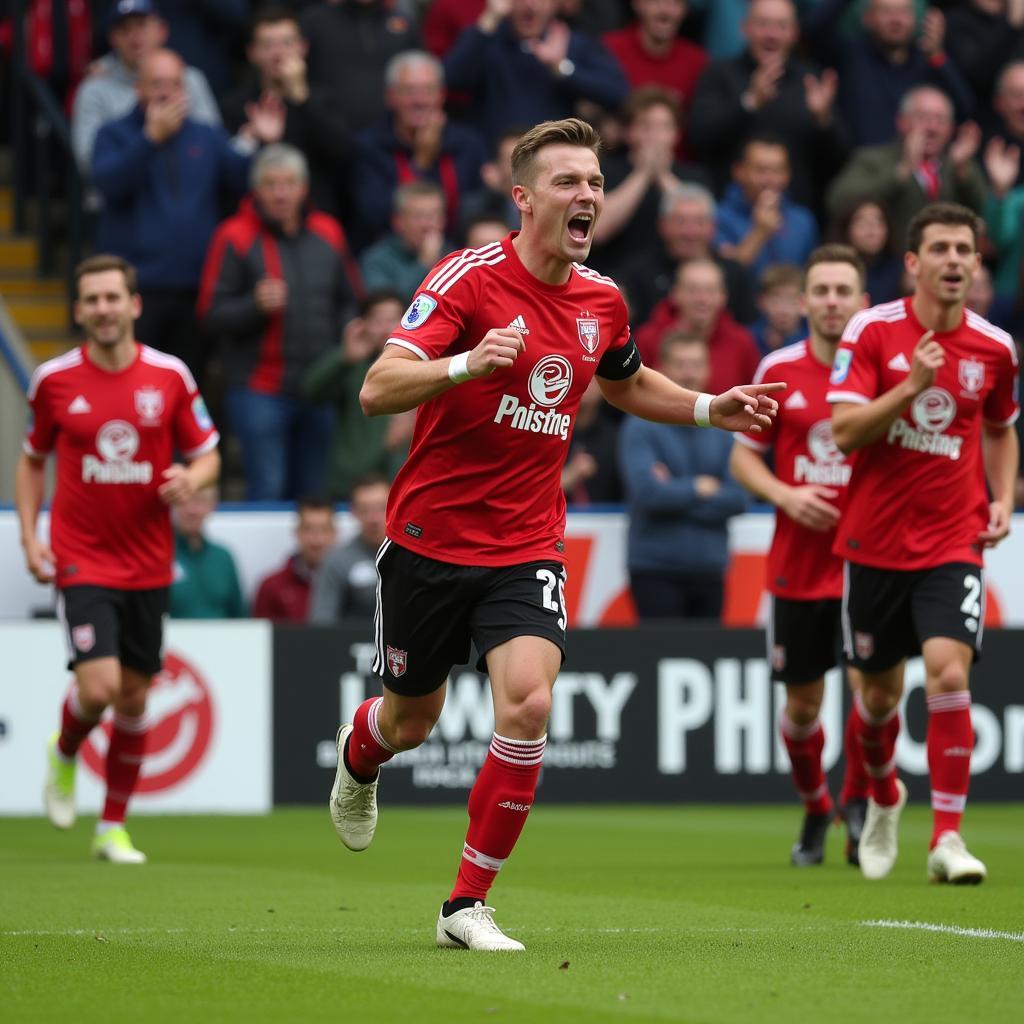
[38, 126]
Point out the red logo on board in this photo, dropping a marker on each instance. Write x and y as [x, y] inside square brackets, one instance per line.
[180, 715]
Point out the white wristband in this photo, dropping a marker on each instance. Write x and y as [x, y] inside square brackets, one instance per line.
[458, 368]
[702, 409]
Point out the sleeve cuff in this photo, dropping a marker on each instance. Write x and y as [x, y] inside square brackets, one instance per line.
[847, 396]
[749, 442]
[402, 343]
[207, 446]
[1004, 423]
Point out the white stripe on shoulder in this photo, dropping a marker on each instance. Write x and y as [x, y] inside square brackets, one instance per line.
[466, 268]
[983, 326]
[52, 366]
[168, 362]
[888, 313]
[458, 260]
[789, 354]
[402, 343]
[593, 275]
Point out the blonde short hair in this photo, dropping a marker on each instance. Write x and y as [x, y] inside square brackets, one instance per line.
[570, 131]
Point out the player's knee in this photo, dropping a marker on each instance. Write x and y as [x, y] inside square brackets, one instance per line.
[410, 732]
[802, 709]
[878, 699]
[529, 716]
[951, 678]
[97, 690]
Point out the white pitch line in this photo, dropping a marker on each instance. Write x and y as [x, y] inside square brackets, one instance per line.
[947, 929]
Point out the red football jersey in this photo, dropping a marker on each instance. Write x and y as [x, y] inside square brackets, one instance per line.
[918, 496]
[482, 483]
[114, 435]
[801, 565]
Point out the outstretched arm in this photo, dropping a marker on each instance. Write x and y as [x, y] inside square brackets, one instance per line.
[652, 396]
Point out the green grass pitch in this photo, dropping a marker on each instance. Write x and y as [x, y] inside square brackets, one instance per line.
[639, 914]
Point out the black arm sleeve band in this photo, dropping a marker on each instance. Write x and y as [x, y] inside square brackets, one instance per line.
[620, 363]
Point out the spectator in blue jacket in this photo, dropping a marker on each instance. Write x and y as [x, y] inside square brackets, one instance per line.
[161, 175]
[680, 497]
[415, 141]
[758, 224]
[877, 69]
[530, 66]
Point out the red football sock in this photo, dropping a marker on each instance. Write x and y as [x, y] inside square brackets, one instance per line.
[367, 749]
[950, 742]
[856, 783]
[498, 805]
[804, 744]
[124, 762]
[877, 737]
[75, 725]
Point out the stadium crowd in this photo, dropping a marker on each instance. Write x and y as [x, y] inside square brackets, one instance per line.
[284, 176]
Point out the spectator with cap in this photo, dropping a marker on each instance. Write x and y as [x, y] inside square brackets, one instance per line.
[135, 30]
[313, 120]
[350, 44]
[402, 258]
[278, 288]
[522, 65]
[284, 596]
[415, 141]
[205, 582]
[345, 585]
[360, 444]
[685, 231]
[161, 175]
[680, 497]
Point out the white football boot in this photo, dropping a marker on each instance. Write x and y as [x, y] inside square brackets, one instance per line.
[59, 788]
[353, 804]
[879, 840]
[116, 846]
[951, 861]
[474, 928]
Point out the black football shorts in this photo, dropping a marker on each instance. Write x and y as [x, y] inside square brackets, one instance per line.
[889, 613]
[104, 622]
[803, 639]
[429, 612]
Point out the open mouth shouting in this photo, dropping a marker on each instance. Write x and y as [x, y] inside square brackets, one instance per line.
[580, 226]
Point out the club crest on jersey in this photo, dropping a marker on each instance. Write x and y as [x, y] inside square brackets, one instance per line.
[418, 312]
[590, 333]
[863, 645]
[84, 638]
[841, 367]
[398, 661]
[971, 376]
[149, 403]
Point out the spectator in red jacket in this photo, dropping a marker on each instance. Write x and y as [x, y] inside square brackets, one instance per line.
[650, 51]
[284, 596]
[696, 307]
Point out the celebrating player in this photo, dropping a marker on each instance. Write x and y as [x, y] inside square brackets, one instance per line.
[804, 578]
[925, 391]
[476, 517]
[114, 412]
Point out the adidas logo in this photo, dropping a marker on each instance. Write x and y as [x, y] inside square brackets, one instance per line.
[519, 324]
[795, 401]
[899, 362]
[79, 405]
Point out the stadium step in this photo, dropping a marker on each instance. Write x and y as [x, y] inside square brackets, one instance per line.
[39, 306]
